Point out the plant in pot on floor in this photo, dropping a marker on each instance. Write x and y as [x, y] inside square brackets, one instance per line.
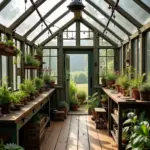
[63, 106]
[111, 78]
[74, 104]
[145, 91]
[92, 103]
[81, 96]
[5, 98]
[104, 100]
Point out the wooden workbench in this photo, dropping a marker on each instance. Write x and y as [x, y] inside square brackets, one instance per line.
[10, 124]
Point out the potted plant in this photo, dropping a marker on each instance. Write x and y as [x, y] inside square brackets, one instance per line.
[63, 106]
[125, 138]
[103, 77]
[31, 62]
[145, 92]
[111, 78]
[74, 105]
[38, 83]
[52, 81]
[81, 96]
[104, 100]
[39, 53]
[5, 98]
[46, 79]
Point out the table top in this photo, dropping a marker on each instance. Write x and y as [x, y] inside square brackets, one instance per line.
[119, 98]
[15, 116]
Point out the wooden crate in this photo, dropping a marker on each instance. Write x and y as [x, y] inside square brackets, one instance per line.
[58, 115]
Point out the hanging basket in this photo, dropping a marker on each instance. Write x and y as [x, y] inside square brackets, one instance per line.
[7, 51]
[38, 57]
[31, 67]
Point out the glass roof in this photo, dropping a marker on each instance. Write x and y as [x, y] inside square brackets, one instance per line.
[16, 8]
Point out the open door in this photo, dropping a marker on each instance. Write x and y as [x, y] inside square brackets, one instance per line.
[67, 76]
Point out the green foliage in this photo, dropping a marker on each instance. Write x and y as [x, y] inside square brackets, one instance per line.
[31, 61]
[145, 87]
[81, 95]
[46, 78]
[80, 77]
[5, 97]
[124, 82]
[38, 83]
[37, 117]
[93, 101]
[72, 90]
[63, 105]
[9, 43]
[111, 76]
[28, 87]
[52, 79]
[104, 98]
[39, 51]
[74, 102]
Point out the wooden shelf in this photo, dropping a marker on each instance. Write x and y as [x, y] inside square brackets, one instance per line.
[115, 118]
[114, 137]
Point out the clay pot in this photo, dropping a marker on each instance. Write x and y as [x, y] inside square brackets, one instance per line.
[145, 95]
[5, 108]
[52, 84]
[74, 107]
[110, 83]
[103, 81]
[136, 94]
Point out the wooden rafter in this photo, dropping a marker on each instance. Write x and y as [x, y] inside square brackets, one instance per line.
[107, 16]
[50, 25]
[142, 5]
[26, 14]
[44, 17]
[54, 34]
[3, 4]
[125, 14]
[100, 23]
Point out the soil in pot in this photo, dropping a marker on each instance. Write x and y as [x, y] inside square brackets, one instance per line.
[103, 81]
[74, 107]
[145, 96]
[5, 108]
[136, 94]
[110, 83]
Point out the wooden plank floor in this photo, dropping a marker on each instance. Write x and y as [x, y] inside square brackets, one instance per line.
[77, 132]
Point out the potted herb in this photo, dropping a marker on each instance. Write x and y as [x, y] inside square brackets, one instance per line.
[74, 105]
[38, 83]
[111, 78]
[5, 98]
[46, 79]
[52, 82]
[104, 100]
[81, 96]
[63, 106]
[145, 92]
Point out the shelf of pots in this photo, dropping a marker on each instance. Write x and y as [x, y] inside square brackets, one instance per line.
[92, 103]
[110, 79]
[7, 48]
[31, 62]
[63, 106]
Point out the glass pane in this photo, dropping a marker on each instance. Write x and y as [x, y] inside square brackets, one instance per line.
[102, 62]
[53, 42]
[148, 54]
[4, 66]
[147, 2]
[46, 52]
[102, 52]
[69, 42]
[132, 8]
[12, 11]
[53, 52]
[53, 66]
[103, 42]
[86, 42]
[110, 64]
[110, 52]
[28, 23]
[46, 60]
[135, 53]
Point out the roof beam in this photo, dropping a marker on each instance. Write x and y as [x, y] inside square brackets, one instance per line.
[54, 34]
[142, 5]
[100, 23]
[107, 16]
[44, 17]
[124, 14]
[102, 35]
[26, 14]
[50, 25]
[3, 4]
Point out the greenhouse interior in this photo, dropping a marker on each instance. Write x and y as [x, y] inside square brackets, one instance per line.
[73, 73]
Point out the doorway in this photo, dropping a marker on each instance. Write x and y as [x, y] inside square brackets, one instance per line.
[78, 73]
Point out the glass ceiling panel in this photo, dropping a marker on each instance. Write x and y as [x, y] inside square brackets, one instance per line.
[1, 1]
[100, 28]
[135, 10]
[118, 17]
[47, 5]
[28, 23]
[12, 11]
[147, 2]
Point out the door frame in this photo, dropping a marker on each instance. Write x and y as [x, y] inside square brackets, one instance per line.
[89, 52]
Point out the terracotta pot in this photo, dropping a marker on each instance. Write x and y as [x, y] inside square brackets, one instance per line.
[5, 108]
[110, 83]
[74, 107]
[52, 84]
[118, 88]
[145, 95]
[124, 142]
[103, 81]
[136, 94]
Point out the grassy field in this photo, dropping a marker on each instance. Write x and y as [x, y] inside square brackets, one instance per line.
[82, 87]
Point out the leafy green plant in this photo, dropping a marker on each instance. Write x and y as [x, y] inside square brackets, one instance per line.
[46, 78]
[9, 43]
[124, 82]
[39, 51]
[63, 104]
[52, 79]
[145, 87]
[111, 76]
[12, 146]
[74, 102]
[72, 90]
[81, 95]
[39, 83]
[104, 98]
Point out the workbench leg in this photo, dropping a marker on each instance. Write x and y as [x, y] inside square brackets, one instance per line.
[109, 115]
[49, 110]
[15, 136]
[120, 128]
